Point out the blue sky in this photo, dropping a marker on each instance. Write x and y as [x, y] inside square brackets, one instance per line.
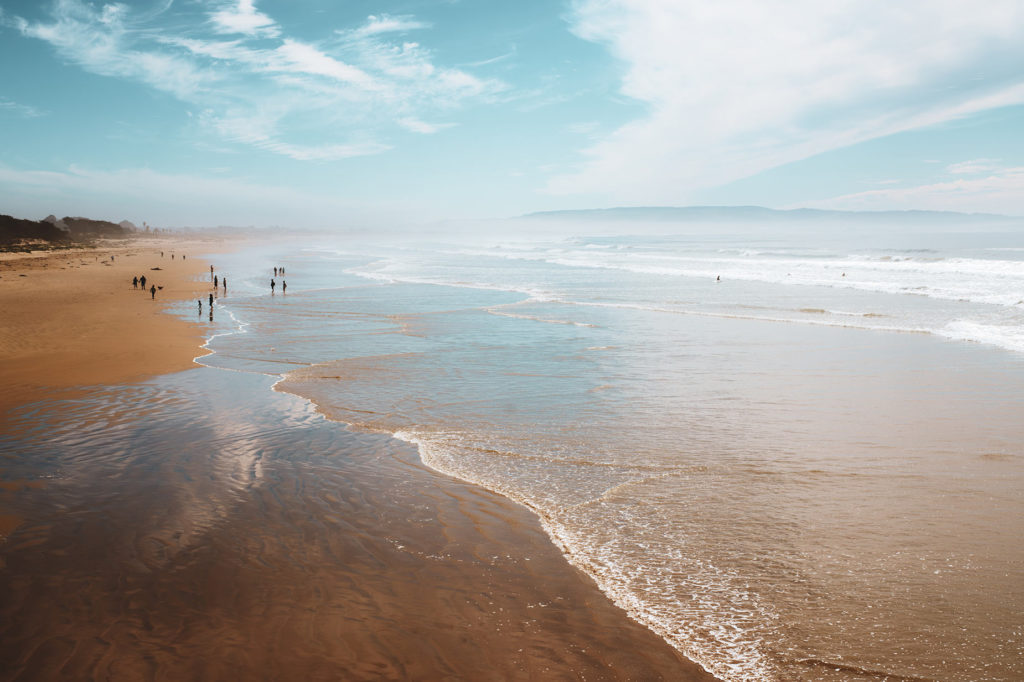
[334, 113]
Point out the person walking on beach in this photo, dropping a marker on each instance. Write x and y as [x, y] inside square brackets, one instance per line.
[272, 285]
[211, 271]
[152, 292]
[135, 282]
[142, 281]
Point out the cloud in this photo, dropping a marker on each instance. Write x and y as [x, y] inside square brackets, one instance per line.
[99, 41]
[1001, 192]
[349, 92]
[735, 87]
[384, 23]
[308, 59]
[973, 167]
[243, 17]
[22, 110]
[417, 126]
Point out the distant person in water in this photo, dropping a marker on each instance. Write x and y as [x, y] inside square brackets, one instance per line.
[284, 286]
[211, 300]
[152, 292]
[215, 282]
[225, 283]
[211, 271]
[272, 285]
[135, 282]
[199, 302]
[275, 272]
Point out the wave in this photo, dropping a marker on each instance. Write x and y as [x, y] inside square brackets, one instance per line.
[1003, 336]
[1007, 337]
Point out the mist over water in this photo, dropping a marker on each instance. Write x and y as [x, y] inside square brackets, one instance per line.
[808, 469]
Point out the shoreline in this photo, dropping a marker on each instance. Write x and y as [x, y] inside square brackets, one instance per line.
[488, 564]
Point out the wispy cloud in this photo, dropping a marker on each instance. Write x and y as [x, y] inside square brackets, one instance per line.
[350, 93]
[417, 126]
[243, 17]
[739, 86]
[973, 167]
[385, 23]
[17, 109]
[101, 42]
[1000, 192]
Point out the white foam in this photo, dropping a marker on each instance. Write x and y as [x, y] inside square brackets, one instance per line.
[1003, 336]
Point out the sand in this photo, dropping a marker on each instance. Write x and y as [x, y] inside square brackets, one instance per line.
[182, 528]
[72, 318]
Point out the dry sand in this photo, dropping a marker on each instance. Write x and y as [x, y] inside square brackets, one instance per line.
[135, 557]
[72, 318]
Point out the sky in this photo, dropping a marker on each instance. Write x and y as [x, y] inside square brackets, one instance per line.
[331, 113]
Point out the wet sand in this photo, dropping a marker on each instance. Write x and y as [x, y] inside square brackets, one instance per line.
[198, 525]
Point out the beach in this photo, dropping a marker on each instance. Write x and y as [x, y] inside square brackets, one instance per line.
[162, 520]
[72, 318]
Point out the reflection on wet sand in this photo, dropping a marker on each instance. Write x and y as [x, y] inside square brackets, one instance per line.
[226, 531]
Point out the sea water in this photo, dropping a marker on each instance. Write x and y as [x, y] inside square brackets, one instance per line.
[793, 456]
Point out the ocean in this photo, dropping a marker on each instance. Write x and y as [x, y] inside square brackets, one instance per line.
[794, 454]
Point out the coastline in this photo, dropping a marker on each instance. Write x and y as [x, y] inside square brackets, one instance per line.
[358, 559]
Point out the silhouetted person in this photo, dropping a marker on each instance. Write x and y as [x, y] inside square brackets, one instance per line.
[142, 281]
[718, 279]
[275, 272]
[211, 271]
[135, 282]
[161, 254]
[211, 300]
[172, 256]
[111, 258]
[272, 285]
[199, 301]
[215, 282]
[284, 286]
[182, 256]
[225, 283]
[211, 314]
[152, 292]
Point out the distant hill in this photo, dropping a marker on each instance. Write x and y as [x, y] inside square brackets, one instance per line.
[19, 234]
[87, 227]
[759, 214]
[15, 230]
